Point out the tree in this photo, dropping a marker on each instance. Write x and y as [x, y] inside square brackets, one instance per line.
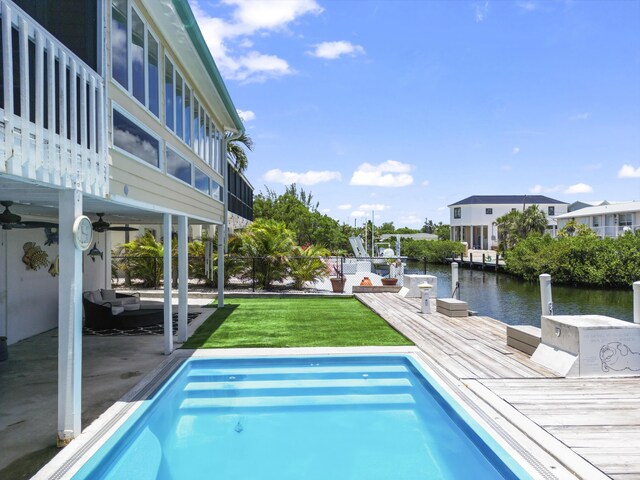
[305, 265]
[144, 260]
[428, 226]
[442, 231]
[271, 242]
[532, 220]
[516, 226]
[236, 150]
[386, 227]
[300, 214]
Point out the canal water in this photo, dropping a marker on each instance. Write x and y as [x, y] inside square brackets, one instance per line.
[516, 302]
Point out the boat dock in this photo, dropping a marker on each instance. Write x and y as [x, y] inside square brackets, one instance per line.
[598, 419]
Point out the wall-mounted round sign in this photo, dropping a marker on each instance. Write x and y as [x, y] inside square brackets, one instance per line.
[82, 232]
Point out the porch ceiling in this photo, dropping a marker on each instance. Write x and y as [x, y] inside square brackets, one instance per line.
[35, 201]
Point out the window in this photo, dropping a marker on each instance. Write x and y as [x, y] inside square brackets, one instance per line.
[168, 93]
[551, 210]
[488, 211]
[187, 115]
[134, 55]
[202, 142]
[595, 221]
[624, 220]
[201, 182]
[178, 167]
[196, 125]
[207, 143]
[216, 191]
[119, 43]
[179, 106]
[153, 73]
[457, 212]
[137, 57]
[135, 140]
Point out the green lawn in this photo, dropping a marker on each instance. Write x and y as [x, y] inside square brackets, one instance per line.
[294, 322]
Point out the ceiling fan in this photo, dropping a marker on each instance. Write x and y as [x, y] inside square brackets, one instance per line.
[101, 226]
[9, 220]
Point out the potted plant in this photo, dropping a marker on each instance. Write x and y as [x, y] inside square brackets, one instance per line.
[337, 282]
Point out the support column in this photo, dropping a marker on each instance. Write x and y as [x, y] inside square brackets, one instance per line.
[168, 299]
[69, 320]
[107, 260]
[221, 238]
[183, 278]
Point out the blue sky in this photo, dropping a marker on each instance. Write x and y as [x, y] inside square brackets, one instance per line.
[404, 107]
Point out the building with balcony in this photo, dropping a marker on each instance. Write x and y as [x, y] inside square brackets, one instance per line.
[606, 219]
[473, 219]
[106, 106]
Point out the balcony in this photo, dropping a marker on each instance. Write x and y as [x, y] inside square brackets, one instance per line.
[52, 109]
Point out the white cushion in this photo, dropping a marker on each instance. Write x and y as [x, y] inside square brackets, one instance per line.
[116, 310]
[89, 297]
[97, 296]
[108, 295]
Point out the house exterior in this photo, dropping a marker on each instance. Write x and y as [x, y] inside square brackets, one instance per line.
[110, 106]
[607, 219]
[473, 219]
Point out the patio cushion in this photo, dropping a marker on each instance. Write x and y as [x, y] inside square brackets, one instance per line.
[97, 296]
[115, 310]
[108, 295]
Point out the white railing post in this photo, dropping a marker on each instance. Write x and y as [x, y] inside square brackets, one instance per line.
[636, 302]
[37, 161]
[546, 300]
[23, 56]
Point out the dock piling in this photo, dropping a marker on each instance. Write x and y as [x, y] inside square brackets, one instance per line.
[545, 294]
[455, 284]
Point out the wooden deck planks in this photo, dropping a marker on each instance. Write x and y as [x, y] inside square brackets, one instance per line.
[598, 418]
[475, 343]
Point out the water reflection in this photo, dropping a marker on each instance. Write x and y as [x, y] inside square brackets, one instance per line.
[514, 302]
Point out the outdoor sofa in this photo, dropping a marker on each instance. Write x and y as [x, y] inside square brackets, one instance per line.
[106, 309]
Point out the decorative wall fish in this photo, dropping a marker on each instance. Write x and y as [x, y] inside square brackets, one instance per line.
[54, 269]
[34, 257]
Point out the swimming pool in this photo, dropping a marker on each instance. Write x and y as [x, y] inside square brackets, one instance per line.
[346, 417]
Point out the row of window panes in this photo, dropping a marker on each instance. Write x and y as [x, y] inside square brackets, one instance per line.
[187, 118]
[136, 69]
[138, 142]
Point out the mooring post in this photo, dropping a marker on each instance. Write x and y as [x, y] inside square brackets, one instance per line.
[545, 294]
[483, 261]
[455, 286]
[636, 302]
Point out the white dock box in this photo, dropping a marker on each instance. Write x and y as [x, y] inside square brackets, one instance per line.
[589, 346]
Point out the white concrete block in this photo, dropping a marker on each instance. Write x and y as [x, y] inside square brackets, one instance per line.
[412, 282]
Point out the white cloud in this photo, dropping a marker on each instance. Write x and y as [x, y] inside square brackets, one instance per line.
[229, 39]
[442, 209]
[516, 150]
[580, 116]
[629, 171]
[345, 206]
[426, 183]
[542, 189]
[334, 50]
[481, 11]
[307, 178]
[359, 213]
[387, 174]
[246, 115]
[579, 188]
[325, 210]
[410, 220]
[367, 207]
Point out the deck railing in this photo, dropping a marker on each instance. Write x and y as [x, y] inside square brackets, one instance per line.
[52, 109]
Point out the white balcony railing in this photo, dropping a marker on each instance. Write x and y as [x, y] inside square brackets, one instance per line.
[52, 109]
[614, 230]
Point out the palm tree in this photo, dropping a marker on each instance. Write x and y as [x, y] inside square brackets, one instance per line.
[532, 220]
[270, 243]
[236, 150]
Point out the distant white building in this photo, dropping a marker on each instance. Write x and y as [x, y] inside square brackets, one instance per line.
[473, 220]
[607, 219]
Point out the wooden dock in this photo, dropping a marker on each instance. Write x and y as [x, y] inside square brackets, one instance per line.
[597, 418]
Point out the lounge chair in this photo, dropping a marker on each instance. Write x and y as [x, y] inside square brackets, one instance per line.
[123, 312]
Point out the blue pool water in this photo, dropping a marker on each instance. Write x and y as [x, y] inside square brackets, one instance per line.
[355, 417]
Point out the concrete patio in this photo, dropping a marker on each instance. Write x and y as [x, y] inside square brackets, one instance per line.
[28, 395]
